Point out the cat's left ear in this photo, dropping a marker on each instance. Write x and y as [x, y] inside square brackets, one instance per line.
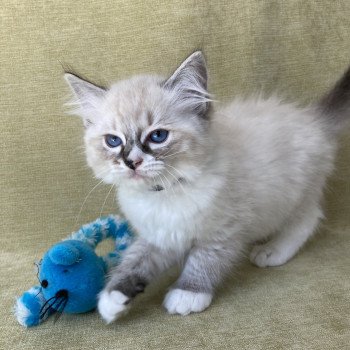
[87, 99]
[189, 84]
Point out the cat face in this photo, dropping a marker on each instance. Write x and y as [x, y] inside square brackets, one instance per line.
[146, 130]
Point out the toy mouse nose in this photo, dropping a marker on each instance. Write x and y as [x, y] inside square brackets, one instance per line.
[133, 164]
[62, 293]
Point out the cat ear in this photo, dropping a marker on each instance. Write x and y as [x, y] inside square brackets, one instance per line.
[87, 97]
[189, 84]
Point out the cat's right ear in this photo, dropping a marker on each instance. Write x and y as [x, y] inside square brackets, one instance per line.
[87, 98]
[189, 84]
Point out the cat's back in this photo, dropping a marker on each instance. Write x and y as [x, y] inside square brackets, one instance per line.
[267, 116]
[275, 146]
[271, 127]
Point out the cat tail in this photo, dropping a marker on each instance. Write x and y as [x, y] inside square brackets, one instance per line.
[335, 105]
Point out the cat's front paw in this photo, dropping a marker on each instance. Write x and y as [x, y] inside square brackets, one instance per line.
[183, 302]
[112, 304]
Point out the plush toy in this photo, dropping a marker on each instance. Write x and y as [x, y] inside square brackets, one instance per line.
[71, 274]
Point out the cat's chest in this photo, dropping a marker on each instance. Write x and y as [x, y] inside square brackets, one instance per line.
[163, 218]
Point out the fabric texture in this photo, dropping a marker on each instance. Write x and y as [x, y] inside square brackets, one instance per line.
[299, 48]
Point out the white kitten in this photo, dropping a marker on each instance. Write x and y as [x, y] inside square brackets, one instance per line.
[199, 185]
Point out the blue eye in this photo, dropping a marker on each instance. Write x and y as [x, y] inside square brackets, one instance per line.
[113, 141]
[159, 136]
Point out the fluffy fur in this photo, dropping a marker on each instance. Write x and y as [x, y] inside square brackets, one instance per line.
[250, 171]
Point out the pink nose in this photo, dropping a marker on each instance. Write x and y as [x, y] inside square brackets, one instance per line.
[133, 164]
[138, 162]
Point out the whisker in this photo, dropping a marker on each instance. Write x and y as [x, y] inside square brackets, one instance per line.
[104, 203]
[61, 301]
[178, 171]
[160, 178]
[170, 184]
[170, 155]
[154, 180]
[167, 152]
[60, 309]
[48, 307]
[104, 172]
[177, 180]
[86, 198]
[153, 167]
[37, 264]
[38, 292]
[46, 302]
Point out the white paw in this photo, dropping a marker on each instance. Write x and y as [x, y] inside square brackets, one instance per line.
[267, 255]
[111, 305]
[183, 302]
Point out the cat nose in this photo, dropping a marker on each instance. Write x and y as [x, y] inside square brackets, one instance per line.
[133, 164]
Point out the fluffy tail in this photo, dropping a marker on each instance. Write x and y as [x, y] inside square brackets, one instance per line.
[335, 105]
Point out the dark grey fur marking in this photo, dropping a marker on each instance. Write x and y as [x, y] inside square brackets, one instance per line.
[336, 104]
[207, 265]
[141, 264]
[157, 188]
[128, 148]
[150, 118]
[144, 147]
[182, 180]
[131, 143]
[131, 285]
[110, 156]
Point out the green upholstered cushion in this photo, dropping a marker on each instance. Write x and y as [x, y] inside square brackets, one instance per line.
[297, 47]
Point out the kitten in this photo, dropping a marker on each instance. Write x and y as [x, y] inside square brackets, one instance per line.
[198, 184]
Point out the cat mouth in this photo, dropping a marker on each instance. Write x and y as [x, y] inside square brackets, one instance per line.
[137, 175]
[140, 174]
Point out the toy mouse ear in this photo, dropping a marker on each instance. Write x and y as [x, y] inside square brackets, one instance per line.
[64, 254]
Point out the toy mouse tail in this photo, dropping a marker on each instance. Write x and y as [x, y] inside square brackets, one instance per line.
[111, 226]
[120, 231]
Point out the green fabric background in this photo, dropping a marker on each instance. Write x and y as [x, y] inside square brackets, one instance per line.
[296, 47]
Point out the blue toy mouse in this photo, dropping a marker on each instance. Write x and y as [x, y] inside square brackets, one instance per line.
[71, 274]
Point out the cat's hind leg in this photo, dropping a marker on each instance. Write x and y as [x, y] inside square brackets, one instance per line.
[285, 244]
